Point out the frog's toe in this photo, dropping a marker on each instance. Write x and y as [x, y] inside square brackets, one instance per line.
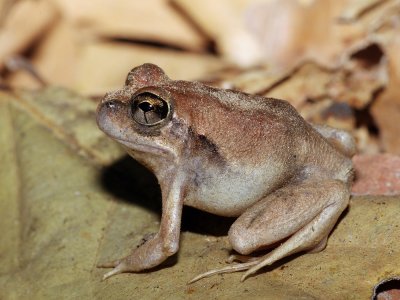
[229, 269]
[119, 266]
[240, 258]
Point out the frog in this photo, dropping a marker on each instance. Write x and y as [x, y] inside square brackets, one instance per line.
[232, 154]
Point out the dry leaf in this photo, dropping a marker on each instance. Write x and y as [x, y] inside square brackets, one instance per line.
[251, 81]
[223, 21]
[284, 34]
[366, 143]
[96, 56]
[26, 21]
[151, 20]
[52, 211]
[357, 8]
[361, 78]
[246, 31]
[71, 118]
[87, 47]
[99, 67]
[386, 109]
[55, 59]
[307, 82]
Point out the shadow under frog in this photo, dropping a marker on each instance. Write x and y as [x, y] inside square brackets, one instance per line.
[129, 181]
[233, 155]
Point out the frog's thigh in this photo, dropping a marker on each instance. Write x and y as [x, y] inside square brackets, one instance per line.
[340, 139]
[305, 212]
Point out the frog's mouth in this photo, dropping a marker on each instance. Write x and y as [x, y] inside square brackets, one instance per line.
[136, 145]
[145, 148]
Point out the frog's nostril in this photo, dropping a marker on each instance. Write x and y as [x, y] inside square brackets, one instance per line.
[111, 104]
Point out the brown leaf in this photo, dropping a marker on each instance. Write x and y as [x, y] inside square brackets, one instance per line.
[52, 211]
[96, 56]
[223, 21]
[386, 109]
[151, 20]
[357, 8]
[71, 118]
[26, 21]
[95, 68]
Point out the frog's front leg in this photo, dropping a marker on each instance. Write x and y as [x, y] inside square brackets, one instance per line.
[303, 214]
[164, 244]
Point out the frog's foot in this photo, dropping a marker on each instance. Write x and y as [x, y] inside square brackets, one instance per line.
[125, 264]
[149, 255]
[251, 264]
[246, 262]
[229, 269]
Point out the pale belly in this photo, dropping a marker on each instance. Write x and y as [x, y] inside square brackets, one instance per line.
[231, 193]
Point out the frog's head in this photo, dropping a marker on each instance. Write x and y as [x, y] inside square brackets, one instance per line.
[141, 117]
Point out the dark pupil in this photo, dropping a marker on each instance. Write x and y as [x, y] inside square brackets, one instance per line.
[146, 106]
[149, 109]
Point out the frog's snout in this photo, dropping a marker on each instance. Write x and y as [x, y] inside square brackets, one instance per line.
[107, 114]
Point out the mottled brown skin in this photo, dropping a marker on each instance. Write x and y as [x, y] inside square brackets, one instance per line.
[231, 154]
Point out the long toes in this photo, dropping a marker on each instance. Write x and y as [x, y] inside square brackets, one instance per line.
[245, 275]
[228, 269]
[257, 266]
[241, 258]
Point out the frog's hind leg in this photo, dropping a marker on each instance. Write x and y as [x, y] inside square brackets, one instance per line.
[303, 214]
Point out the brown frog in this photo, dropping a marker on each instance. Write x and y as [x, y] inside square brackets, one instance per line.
[230, 154]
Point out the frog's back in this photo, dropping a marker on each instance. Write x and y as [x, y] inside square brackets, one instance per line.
[236, 139]
[237, 122]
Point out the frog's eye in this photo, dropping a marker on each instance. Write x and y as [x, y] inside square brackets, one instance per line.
[149, 109]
